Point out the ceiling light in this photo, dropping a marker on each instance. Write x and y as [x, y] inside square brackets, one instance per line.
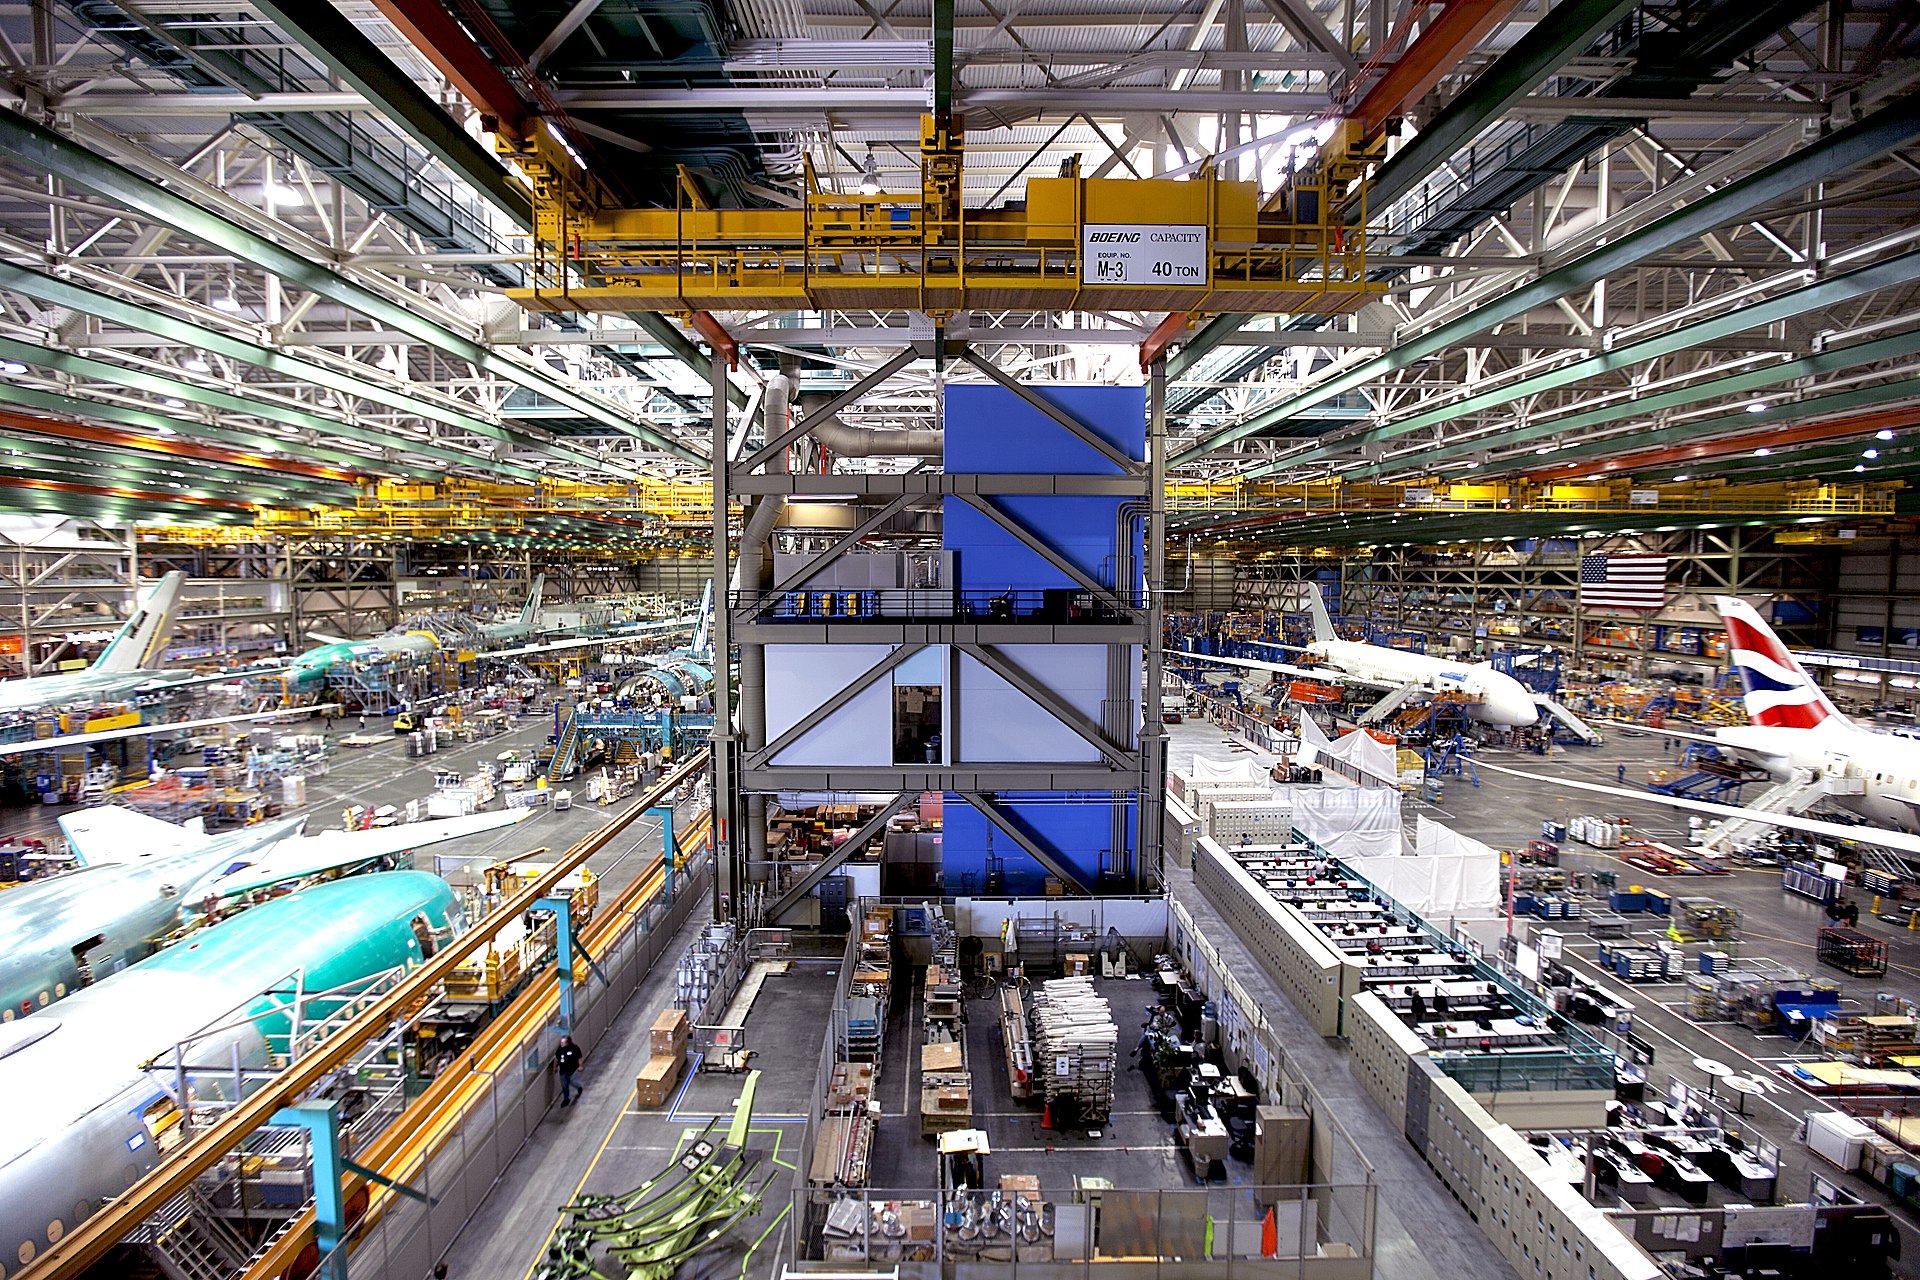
[196, 364]
[268, 446]
[1763, 452]
[870, 177]
[12, 367]
[228, 302]
[1679, 478]
[1859, 466]
[174, 402]
[1884, 433]
[1869, 453]
[1758, 406]
[281, 193]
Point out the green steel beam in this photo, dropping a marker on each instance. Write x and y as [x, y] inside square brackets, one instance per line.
[942, 60]
[87, 301]
[1563, 32]
[1854, 284]
[43, 151]
[146, 420]
[120, 375]
[1892, 126]
[346, 51]
[55, 461]
[1833, 361]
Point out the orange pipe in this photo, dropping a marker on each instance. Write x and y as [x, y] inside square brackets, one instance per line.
[174, 447]
[1771, 437]
[96, 491]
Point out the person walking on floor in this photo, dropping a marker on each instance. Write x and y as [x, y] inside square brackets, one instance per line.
[567, 1060]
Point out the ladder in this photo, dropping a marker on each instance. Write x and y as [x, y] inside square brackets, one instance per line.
[1388, 705]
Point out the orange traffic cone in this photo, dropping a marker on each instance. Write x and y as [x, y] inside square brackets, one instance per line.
[1046, 1116]
[1269, 1237]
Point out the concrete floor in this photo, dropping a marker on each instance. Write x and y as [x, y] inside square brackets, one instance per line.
[384, 774]
[1506, 812]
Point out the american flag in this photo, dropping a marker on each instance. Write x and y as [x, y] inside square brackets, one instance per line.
[1623, 581]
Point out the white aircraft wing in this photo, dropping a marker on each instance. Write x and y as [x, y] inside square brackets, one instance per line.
[1331, 675]
[547, 647]
[1899, 841]
[137, 731]
[301, 856]
[1663, 732]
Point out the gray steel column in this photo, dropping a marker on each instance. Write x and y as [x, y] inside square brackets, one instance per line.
[726, 797]
[1153, 730]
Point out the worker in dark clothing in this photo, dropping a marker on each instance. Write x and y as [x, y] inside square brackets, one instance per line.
[1439, 1001]
[1852, 914]
[1419, 1010]
[567, 1060]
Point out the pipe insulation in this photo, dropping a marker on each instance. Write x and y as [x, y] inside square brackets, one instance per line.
[749, 579]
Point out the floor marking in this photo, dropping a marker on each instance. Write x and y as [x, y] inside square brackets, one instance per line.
[540, 1255]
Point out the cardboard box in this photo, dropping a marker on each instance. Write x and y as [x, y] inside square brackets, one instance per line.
[669, 1033]
[657, 1079]
[1025, 1184]
[1078, 964]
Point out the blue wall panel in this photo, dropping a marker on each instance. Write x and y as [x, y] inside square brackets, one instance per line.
[1080, 529]
[991, 431]
[1077, 832]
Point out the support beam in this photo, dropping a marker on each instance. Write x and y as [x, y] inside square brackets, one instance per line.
[41, 150]
[729, 842]
[853, 844]
[339, 43]
[572, 21]
[1561, 33]
[1080, 430]
[771, 449]
[1039, 546]
[1000, 818]
[1894, 125]
[1048, 701]
[1148, 837]
[840, 697]
[846, 542]
[431, 29]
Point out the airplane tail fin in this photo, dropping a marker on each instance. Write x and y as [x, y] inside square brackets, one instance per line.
[1317, 606]
[115, 834]
[140, 640]
[530, 612]
[1779, 692]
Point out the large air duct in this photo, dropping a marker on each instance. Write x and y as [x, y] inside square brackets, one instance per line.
[870, 442]
[749, 579]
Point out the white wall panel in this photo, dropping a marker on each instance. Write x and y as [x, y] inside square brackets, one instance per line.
[801, 677]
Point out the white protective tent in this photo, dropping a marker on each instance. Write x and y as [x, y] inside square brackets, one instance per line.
[1348, 822]
[1368, 758]
[1445, 875]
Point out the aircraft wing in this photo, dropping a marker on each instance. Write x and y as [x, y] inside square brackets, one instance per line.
[298, 857]
[1663, 732]
[547, 647]
[137, 731]
[1898, 841]
[1330, 675]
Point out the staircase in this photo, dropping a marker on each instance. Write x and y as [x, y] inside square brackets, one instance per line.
[1883, 860]
[564, 765]
[187, 1242]
[1800, 791]
[1560, 715]
[1388, 705]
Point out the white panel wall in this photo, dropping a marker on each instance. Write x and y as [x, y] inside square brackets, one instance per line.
[801, 677]
[999, 723]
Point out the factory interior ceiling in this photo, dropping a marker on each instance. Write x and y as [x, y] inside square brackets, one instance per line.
[1622, 262]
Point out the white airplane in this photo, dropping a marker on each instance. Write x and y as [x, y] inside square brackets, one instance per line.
[122, 670]
[1492, 697]
[1796, 729]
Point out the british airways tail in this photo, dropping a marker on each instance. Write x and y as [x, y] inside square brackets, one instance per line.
[1779, 692]
[139, 642]
[1317, 606]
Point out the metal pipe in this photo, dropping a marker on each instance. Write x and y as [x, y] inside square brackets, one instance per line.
[749, 574]
[870, 442]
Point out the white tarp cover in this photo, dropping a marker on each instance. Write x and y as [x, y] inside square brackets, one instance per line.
[1348, 822]
[1444, 875]
[1212, 772]
[1373, 759]
[1313, 741]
